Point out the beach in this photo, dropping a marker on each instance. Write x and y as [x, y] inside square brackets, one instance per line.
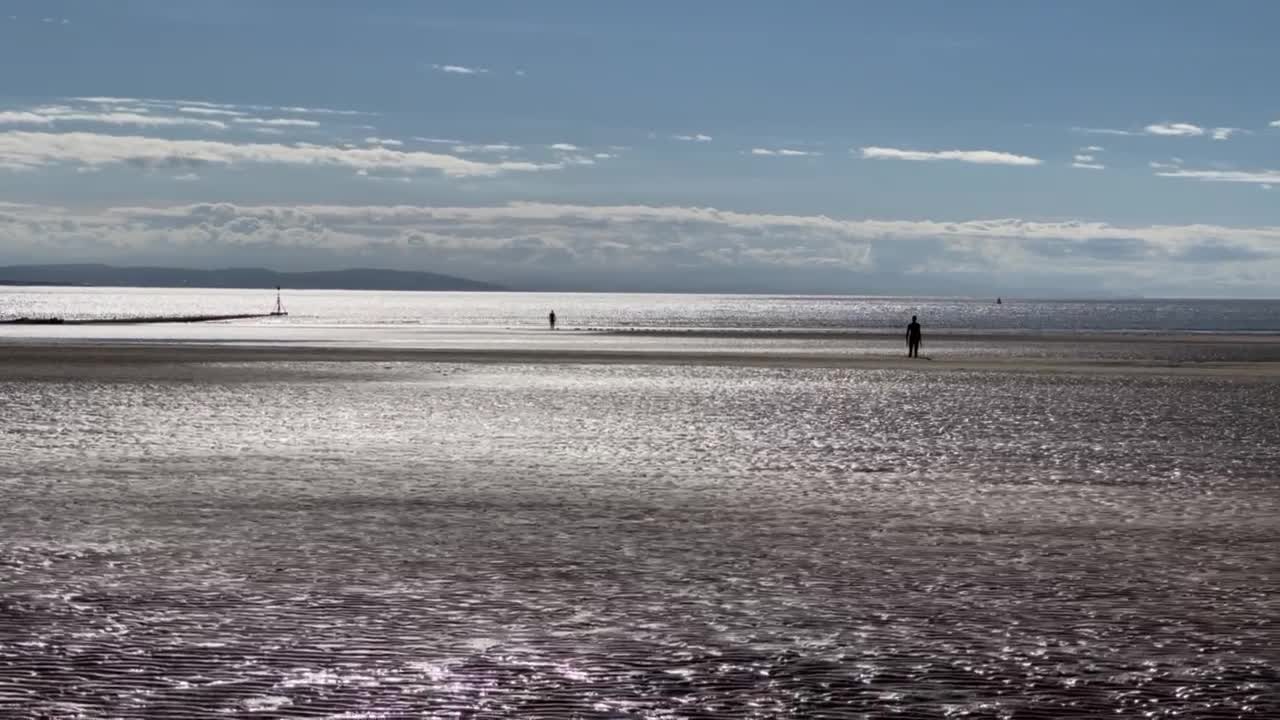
[576, 528]
[639, 361]
[1178, 353]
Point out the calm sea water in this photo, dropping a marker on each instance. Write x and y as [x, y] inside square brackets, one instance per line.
[598, 310]
[388, 540]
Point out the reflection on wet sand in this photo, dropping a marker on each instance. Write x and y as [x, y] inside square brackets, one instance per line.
[282, 536]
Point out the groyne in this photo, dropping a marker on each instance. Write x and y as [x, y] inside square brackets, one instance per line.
[137, 320]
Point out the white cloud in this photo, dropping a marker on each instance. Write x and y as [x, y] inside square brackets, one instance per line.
[698, 137]
[35, 149]
[57, 114]
[1174, 129]
[565, 147]
[111, 100]
[277, 122]
[604, 156]
[209, 111]
[1259, 177]
[1275, 124]
[1102, 131]
[188, 106]
[979, 157]
[364, 175]
[383, 141]
[783, 152]
[459, 69]
[318, 111]
[1173, 165]
[486, 148]
[1165, 130]
[186, 177]
[437, 141]
[1087, 160]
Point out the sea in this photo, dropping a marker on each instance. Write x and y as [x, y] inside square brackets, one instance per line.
[504, 310]
[392, 538]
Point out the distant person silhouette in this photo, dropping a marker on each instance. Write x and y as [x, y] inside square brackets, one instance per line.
[913, 338]
[551, 318]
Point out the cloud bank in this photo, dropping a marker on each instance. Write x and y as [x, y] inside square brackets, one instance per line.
[579, 244]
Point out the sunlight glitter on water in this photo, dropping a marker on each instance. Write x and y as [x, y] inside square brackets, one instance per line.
[506, 310]
[578, 541]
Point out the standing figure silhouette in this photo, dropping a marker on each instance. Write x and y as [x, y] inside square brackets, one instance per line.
[913, 338]
[551, 318]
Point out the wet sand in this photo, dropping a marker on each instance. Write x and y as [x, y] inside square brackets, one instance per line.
[951, 336]
[195, 530]
[1156, 355]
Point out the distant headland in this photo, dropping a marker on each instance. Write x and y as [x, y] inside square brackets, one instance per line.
[353, 279]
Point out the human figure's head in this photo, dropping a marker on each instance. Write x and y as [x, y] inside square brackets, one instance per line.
[913, 318]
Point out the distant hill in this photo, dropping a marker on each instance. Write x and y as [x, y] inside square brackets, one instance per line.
[355, 279]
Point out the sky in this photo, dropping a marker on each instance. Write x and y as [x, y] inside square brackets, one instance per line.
[1091, 148]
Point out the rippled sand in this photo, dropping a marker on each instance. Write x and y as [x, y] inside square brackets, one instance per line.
[394, 538]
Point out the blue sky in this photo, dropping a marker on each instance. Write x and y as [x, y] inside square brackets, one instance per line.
[1020, 147]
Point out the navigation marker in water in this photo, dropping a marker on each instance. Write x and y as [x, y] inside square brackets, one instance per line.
[279, 311]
